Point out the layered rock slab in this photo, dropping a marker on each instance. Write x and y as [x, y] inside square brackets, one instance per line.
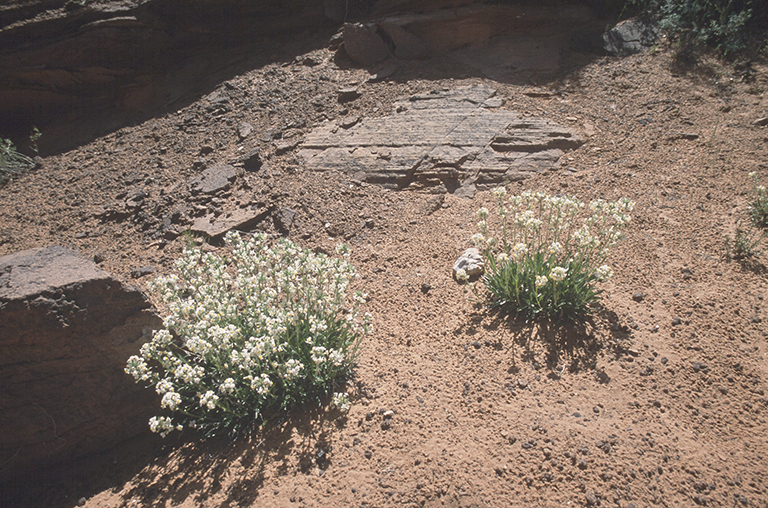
[66, 331]
[443, 140]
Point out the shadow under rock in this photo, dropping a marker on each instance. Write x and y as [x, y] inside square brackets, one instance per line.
[203, 470]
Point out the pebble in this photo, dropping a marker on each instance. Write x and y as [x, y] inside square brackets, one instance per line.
[368, 454]
[596, 410]
[81, 501]
[522, 383]
[141, 272]
[425, 288]
[698, 366]
[244, 130]
[348, 94]
[638, 296]
[677, 321]
[471, 261]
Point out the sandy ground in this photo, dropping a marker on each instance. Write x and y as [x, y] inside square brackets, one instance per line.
[628, 410]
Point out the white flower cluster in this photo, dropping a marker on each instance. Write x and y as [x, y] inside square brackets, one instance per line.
[341, 401]
[162, 425]
[603, 273]
[262, 384]
[558, 273]
[209, 400]
[244, 321]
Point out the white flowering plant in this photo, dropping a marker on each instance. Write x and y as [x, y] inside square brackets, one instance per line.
[544, 254]
[262, 330]
[758, 209]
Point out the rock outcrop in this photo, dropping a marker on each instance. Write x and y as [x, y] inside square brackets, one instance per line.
[77, 69]
[443, 140]
[66, 330]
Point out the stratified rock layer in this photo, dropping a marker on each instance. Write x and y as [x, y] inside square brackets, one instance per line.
[445, 139]
[66, 330]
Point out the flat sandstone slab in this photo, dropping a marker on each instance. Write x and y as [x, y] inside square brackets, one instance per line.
[447, 139]
[215, 226]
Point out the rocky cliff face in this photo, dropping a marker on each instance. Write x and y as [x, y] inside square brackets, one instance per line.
[78, 69]
[81, 68]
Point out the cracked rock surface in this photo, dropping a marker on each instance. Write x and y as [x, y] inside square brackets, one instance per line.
[446, 139]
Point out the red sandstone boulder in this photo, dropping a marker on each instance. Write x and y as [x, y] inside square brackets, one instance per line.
[66, 330]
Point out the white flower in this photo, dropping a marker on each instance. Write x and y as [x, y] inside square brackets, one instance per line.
[162, 337]
[341, 401]
[228, 386]
[292, 368]
[555, 248]
[209, 399]
[336, 357]
[261, 384]
[603, 273]
[482, 213]
[558, 273]
[319, 354]
[502, 257]
[160, 425]
[343, 249]
[541, 281]
[171, 400]
[137, 368]
[461, 275]
[164, 387]
[518, 251]
[499, 192]
[478, 239]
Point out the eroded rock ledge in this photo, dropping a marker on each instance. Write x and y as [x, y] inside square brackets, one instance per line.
[445, 140]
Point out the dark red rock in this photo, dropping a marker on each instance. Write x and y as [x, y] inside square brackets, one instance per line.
[67, 330]
[363, 45]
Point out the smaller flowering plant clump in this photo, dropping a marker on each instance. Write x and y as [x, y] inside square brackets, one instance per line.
[544, 254]
[268, 328]
[758, 209]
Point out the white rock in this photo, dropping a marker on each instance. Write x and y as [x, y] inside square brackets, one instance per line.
[471, 261]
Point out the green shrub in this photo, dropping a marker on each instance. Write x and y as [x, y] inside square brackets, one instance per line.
[745, 244]
[729, 26]
[267, 329]
[544, 254]
[12, 162]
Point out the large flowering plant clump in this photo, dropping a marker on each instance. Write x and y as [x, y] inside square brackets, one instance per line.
[267, 328]
[544, 254]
